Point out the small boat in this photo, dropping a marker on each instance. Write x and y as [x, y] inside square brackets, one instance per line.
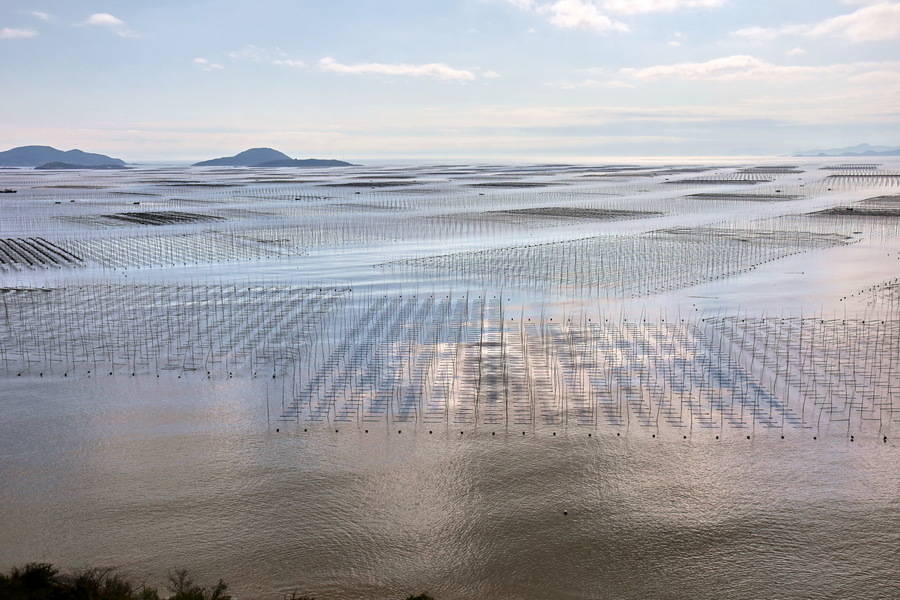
[7, 191]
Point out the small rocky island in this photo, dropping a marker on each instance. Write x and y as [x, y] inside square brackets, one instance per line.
[267, 157]
[41, 156]
[57, 165]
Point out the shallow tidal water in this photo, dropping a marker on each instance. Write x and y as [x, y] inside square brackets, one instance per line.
[146, 481]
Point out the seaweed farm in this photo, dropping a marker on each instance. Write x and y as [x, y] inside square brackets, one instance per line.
[498, 296]
[347, 381]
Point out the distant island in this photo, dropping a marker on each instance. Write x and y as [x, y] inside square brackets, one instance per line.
[57, 165]
[37, 156]
[267, 157]
[859, 150]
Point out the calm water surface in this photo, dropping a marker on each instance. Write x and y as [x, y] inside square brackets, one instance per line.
[152, 475]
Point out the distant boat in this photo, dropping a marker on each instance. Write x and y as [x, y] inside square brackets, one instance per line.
[7, 191]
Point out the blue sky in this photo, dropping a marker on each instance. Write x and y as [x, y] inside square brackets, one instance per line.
[189, 80]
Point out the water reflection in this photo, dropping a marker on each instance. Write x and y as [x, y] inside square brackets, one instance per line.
[489, 513]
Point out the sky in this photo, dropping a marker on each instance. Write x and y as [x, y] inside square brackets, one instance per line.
[173, 80]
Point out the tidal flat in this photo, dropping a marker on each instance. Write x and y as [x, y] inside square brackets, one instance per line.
[655, 379]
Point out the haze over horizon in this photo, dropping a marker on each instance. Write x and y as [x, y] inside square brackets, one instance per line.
[472, 78]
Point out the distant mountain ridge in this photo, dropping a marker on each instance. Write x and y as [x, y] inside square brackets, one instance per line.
[33, 156]
[267, 157]
[858, 150]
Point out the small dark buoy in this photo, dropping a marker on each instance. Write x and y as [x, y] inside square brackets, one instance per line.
[335, 430]
[717, 437]
[565, 513]
[748, 437]
[429, 433]
[554, 433]
[399, 431]
[277, 430]
[654, 435]
[493, 433]
[367, 431]
[589, 435]
[814, 437]
[851, 438]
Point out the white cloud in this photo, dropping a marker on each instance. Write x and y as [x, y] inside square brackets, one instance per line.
[111, 22]
[743, 67]
[36, 14]
[104, 20]
[795, 52]
[872, 22]
[877, 77]
[572, 14]
[287, 62]
[875, 22]
[580, 14]
[435, 70]
[764, 34]
[16, 34]
[632, 7]
[712, 69]
[207, 65]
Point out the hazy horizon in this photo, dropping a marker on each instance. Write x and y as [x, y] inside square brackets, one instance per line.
[527, 79]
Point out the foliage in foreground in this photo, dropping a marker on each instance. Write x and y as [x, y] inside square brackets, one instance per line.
[42, 581]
